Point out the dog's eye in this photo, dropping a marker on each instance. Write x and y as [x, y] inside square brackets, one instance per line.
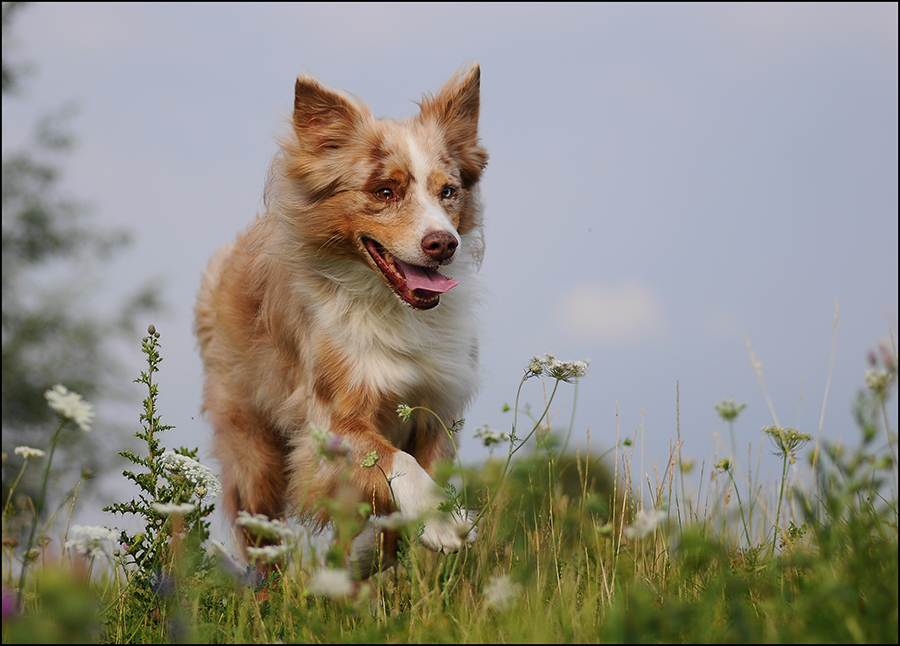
[385, 194]
[447, 192]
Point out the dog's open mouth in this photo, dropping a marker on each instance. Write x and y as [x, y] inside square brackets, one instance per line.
[420, 287]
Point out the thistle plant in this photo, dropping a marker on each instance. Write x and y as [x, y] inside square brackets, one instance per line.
[171, 502]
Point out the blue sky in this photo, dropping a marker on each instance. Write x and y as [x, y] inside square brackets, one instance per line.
[665, 182]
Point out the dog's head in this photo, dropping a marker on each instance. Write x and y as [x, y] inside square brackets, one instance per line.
[400, 196]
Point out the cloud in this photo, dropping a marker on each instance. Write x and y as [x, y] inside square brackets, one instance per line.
[621, 314]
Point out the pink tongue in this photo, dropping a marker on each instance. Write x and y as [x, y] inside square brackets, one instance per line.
[428, 280]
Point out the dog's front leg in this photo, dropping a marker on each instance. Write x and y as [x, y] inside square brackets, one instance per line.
[418, 497]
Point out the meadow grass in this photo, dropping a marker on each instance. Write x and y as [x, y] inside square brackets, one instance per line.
[569, 547]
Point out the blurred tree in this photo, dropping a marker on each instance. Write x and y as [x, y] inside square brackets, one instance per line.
[50, 333]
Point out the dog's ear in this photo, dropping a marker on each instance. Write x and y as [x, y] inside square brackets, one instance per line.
[455, 110]
[323, 119]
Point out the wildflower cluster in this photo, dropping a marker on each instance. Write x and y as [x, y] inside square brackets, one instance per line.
[550, 366]
[202, 477]
[501, 592]
[728, 410]
[489, 436]
[328, 445]
[92, 541]
[404, 411]
[370, 460]
[723, 465]
[787, 440]
[645, 523]
[28, 452]
[880, 379]
[330, 582]
[70, 406]
[258, 528]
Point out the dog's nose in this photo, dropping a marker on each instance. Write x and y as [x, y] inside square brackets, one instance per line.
[439, 245]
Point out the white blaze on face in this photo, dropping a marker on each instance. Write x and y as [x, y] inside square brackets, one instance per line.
[433, 217]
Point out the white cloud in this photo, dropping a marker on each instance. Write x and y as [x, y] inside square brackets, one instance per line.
[612, 315]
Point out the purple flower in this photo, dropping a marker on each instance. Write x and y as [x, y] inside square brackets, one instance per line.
[10, 606]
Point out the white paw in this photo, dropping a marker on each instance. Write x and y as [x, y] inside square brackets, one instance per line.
[450, 533]
[419, 497]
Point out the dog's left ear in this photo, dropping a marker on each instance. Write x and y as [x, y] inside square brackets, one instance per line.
[455, 110]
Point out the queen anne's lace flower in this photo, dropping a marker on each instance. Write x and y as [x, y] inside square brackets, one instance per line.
[91, 541]
[550, 366]
[787, 440]
[28, 452]
[490, 436]
[261, 526]
[200, 476]
[173, 509]
[269, 553]
[500, 592]
[645, 523]
[331, 583]
[71, 406]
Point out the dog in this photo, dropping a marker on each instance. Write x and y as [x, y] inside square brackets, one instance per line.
[352, 293]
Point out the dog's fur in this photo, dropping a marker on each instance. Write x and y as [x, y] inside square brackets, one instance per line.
[328, 311]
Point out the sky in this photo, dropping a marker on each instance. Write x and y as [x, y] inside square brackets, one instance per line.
[668, 186]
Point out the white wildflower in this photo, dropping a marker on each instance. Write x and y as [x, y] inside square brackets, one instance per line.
[645, 523]
[553, 367]
[269, 553]
[91, 541]
[28, 452]
[535, 367]
[200, 476]
[173, 509]
[500, 592]
[490, 436]
[261, 526]
[71, 406]
[880, 380]
[331, 583]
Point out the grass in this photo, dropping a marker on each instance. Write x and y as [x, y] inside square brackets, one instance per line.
[566, 552]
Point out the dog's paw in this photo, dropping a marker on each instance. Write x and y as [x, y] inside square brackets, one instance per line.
[449, 533]
[373, 550]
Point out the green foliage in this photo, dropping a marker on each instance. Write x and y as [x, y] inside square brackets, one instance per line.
[169, 544]
[565, 553]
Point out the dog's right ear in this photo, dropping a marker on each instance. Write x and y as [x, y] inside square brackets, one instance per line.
[323, 119]
[455, 109]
